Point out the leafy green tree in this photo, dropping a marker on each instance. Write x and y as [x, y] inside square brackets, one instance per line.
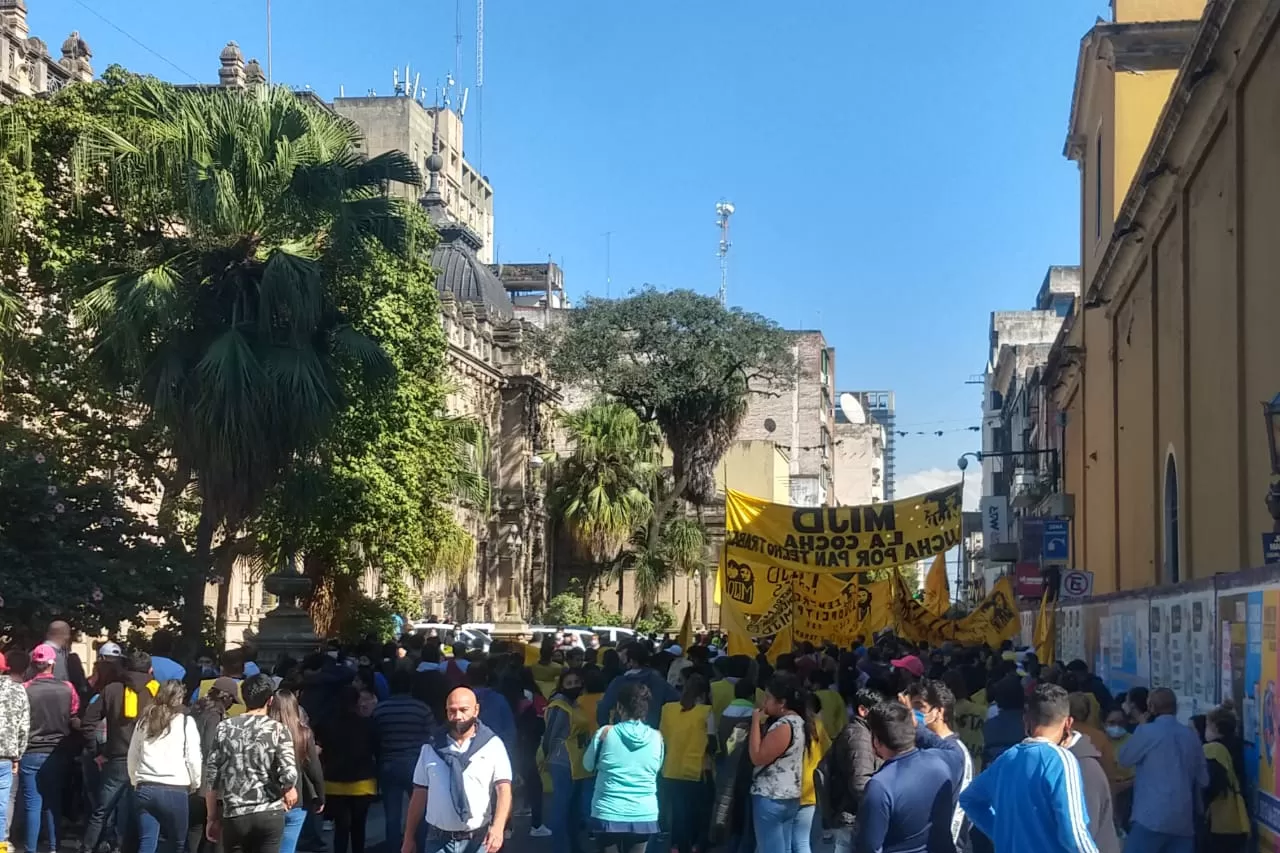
[71, 548]
[682, 361]
[602, 491]
[221, 312]
[378, 490]
[56, 401]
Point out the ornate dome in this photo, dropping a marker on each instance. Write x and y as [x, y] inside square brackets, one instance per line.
[460, 272]
[231, 53]
[75, 47]
[253, 73]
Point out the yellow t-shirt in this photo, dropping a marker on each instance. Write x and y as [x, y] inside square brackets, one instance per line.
[1227, 813]
[684, 735]
[545, 675]
[817, 749]
[834, 713]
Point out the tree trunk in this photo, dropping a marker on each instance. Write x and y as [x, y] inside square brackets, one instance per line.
[703, 604]
[167, 514]
[322, 602]
[588, 591]
[193, 595]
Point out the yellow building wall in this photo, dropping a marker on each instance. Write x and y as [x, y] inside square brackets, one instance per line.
[1099, 450]
[1097, 218]
[1128, 11]
[1213, 444]
[1136, 485]
[1259, 127]
[1191, 349]
[1074, 464]
[758, 468]
[1139, 100]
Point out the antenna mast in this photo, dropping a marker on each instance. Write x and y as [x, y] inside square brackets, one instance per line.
[268, 42]
[724, 209]
[479, 84]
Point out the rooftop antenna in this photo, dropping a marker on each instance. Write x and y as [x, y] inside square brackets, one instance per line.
[417, 78]
[462, 107]
[268, 42]
[396, 85]
[724, 209]
[457, 36]
[449, 83]
[479, 84]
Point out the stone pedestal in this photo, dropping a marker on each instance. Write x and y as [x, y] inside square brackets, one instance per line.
[286, 630]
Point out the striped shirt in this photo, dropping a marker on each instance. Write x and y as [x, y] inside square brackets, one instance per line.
[401, 725]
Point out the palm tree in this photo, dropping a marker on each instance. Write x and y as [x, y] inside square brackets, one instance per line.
[244, 203]
[601, 491]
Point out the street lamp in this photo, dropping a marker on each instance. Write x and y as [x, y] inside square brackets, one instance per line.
[1271, 411]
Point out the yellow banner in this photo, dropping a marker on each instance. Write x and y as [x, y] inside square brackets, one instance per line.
[841, 539]
[994, 621]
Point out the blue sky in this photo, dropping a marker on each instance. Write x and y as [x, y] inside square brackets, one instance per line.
[897, 167]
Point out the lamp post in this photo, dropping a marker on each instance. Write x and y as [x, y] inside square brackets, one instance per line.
[1271, 411]
[965, 581]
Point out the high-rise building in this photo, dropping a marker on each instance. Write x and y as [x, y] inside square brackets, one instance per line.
[401, 123]
[879, 407]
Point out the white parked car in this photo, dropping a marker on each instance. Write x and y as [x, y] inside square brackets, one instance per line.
[454, 635]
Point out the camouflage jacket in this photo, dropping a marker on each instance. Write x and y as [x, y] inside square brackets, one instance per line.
[15, 719]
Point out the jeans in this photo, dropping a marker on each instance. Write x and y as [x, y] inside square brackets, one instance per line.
[162, 818]
[293, 820]
[41, 776]
[6, 786]
[774, 822]
[561, 820]
[439, 845]
[842, 840]
[113, 790]
[1143, 840]
[259, 832]
[802, 829]
[395, 783]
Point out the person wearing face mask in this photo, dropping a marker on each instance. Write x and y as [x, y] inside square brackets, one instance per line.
[1031, 797]
[567, 731]
[1228, 818]
[462, 785]
[1171, 773]
[907, 805]
[933, 705]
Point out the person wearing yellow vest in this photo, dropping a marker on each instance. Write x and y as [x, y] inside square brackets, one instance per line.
[1224, 799]
[546, 672]
[568, 730]
[834, 712]
[232, 663]
[120, 704]
[688, 730]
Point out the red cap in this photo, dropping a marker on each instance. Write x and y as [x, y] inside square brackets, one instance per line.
[911, 664]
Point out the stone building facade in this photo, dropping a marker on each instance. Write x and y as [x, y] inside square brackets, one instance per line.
[26, 66]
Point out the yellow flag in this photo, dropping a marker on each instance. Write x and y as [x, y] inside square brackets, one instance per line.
[685, 638]
[1046, 632]
[781, 645]
[937, 592]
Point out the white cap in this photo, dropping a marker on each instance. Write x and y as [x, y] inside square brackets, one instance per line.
[110, 650]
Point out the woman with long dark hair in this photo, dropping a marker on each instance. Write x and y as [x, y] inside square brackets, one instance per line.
[286, 711]
[780, 734]
[165, 767]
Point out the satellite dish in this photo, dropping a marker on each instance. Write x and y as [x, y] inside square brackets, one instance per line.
[853, 411]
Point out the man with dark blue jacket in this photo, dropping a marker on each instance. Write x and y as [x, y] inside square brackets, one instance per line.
[635, 658]
[907, 805]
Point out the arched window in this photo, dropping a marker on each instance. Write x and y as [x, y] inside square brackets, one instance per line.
[1172, 535]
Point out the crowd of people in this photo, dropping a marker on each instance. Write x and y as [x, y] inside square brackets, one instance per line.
[884, 747]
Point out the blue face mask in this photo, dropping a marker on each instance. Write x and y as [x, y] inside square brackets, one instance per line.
[919, 715]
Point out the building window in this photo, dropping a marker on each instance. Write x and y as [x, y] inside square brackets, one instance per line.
[1097, 186]
[1172, 537]
[1063, 307]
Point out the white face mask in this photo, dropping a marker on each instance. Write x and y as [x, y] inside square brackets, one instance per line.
[1116, 732]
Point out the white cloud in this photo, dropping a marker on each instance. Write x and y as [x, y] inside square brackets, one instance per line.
[919, 482]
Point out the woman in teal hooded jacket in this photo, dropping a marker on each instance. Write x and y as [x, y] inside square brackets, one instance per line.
[627, 758]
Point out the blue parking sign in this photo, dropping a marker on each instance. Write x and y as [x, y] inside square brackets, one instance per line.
[1056, 543]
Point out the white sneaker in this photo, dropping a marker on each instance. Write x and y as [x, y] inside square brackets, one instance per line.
[540, 832]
